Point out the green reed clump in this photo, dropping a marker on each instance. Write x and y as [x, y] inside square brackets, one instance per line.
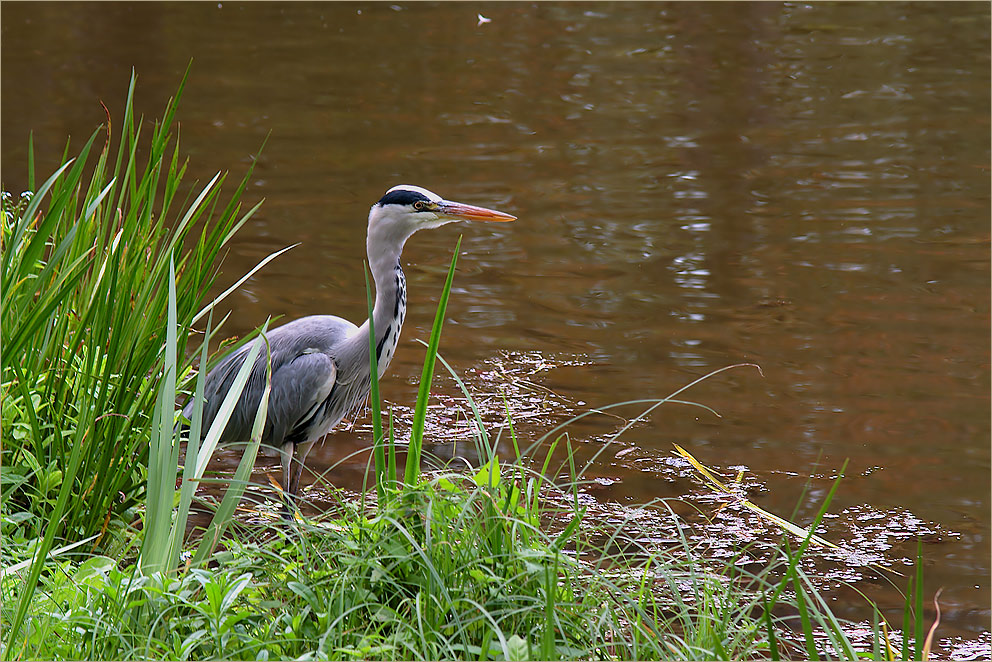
[85, 275]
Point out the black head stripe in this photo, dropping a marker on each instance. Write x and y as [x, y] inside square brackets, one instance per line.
[401, 197]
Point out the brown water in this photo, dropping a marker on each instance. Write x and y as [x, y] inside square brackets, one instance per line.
[805, 187]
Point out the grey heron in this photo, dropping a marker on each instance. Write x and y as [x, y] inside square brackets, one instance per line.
[320, 364]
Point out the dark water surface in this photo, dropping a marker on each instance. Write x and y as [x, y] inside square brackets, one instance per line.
[801, 186]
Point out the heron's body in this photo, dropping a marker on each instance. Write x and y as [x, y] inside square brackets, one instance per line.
[320, 364]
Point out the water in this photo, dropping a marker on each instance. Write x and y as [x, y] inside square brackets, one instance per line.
[800, 186]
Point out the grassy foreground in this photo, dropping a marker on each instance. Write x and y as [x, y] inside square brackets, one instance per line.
[103, 279]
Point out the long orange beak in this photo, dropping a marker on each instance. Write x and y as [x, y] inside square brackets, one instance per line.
[463, 212]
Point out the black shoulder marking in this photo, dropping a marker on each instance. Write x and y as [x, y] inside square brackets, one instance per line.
[401, 197]
[382, 343]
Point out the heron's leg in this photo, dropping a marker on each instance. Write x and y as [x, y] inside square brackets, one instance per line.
[302, 450]
[286, 452]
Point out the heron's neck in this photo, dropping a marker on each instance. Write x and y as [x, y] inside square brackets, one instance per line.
[390, 305]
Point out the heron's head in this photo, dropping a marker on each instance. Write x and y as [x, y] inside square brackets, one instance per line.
[404, 209]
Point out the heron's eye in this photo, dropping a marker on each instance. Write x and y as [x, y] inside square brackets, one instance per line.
[419, 205]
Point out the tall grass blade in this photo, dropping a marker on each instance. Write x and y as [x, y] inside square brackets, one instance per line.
[17, 567]
[188, 482]
[225, 511]
[163, 446]
[907, 620]
[391, 457]
[426, 378]
[548, 635]
[770, 630]
[227, 406]
[802, 600]
[377, 438]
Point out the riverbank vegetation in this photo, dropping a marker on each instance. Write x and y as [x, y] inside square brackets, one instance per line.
[106, 267]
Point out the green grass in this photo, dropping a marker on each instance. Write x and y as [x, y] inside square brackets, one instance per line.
[491, 563]
[476, 577]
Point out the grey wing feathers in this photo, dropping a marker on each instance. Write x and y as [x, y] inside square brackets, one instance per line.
[299, 388]
[304, 373]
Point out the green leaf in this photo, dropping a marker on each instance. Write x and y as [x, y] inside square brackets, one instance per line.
[517, 649]
[427, 376]
[488, 475]
[236, 487]
[240, 584]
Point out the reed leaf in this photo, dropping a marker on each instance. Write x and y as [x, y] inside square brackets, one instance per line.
[225, 511]
[427, 377]
[378, 442]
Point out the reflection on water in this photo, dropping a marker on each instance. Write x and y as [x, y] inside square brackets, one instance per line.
[802, 186]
